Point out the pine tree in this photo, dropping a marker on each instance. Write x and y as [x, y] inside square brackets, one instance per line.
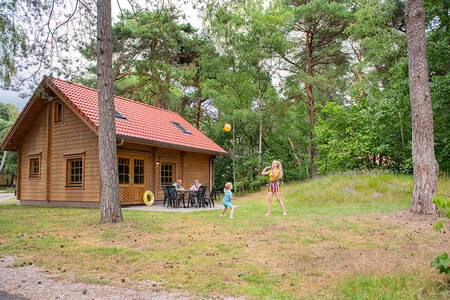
[425, 166]
[109, 195]
[314, 34]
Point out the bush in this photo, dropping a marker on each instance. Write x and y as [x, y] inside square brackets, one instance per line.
[442, 262]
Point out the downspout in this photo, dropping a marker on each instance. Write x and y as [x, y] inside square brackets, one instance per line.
[211, 163]
[121, 143]
[48, 161]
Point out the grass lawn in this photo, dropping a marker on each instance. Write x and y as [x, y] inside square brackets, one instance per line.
[345, 236]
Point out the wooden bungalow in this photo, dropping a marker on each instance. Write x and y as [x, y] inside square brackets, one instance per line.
[56, 138]
[6, 180]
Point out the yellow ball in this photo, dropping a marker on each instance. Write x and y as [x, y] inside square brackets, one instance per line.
[227, 127]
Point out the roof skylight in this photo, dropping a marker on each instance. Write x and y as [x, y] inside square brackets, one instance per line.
[179, 126]
[119, 115]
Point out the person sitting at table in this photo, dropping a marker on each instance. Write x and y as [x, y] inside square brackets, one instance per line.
[195, 186]
[178, 186]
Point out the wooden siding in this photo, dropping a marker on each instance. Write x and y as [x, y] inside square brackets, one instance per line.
[5, 181]
[196, 166]
[34, 142]
[169, 157]
[66, 137]
[19, 172]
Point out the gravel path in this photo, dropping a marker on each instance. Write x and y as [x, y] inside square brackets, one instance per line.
[159, 207]
[33, 283]
[6, 196]
[6, 296]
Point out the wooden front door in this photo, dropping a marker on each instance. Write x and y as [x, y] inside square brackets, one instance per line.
[131, 179]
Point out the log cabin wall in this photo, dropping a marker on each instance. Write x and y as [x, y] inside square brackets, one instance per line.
[188, 166]
[196, 167]
[71, 138]
[163, 157]
[33, 146]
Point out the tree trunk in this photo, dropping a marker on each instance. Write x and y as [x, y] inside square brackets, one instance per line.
[109, 195]
[260, 128]
[424, 162]
[260, 142]
[163, 97]
[400, 117]
[199, 112]
[358, 71]
[312, 113]
[361, 93]
[306, 164]
[3, 160]
[296, 158]
[311, 131]
[234, 153]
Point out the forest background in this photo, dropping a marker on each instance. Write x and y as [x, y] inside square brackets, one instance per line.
[320, 85]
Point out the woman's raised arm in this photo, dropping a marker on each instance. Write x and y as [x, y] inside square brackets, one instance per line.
[265, 172]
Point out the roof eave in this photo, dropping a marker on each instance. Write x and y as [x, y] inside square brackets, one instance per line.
[181, 147]
[6, 140]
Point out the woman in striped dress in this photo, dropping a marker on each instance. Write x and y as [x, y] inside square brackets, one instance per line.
[275, 173]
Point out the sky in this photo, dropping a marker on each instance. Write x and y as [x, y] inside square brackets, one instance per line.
[192, 17]
[13, 98]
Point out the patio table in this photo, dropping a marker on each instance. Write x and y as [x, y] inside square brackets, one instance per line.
[179, 197]
[194, 195]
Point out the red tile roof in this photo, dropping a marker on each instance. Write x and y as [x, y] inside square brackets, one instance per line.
[144, 122]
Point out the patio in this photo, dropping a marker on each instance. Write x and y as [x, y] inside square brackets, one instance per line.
[160, 207]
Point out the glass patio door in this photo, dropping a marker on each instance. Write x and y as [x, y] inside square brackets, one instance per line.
[131, 179]
[138, 185]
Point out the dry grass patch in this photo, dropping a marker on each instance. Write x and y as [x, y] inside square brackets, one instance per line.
[324, 247]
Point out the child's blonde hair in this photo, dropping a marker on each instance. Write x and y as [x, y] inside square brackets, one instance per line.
[280, 168]
[228, 185]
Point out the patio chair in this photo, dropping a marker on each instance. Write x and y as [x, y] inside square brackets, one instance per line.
[166, 196]
[212, 196]
[201, 196]
[170, 194]
[174, 196]
[171, 198]
[192, 198]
